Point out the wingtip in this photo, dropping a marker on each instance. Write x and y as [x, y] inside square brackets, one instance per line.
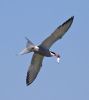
[72, 17]
[27, 83]
[69, 20]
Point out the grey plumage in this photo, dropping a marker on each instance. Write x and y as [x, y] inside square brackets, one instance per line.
[34, 68]
[39, 54]
[58, 33]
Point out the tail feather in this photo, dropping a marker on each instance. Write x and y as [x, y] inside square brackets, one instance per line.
[29, 43]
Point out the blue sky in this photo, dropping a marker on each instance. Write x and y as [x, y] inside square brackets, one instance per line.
[68, 80]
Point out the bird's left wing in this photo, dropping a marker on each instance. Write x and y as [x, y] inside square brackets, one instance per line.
[34, 68]
[57, 34]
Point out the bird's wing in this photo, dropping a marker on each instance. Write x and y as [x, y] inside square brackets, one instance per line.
[34, 68]
[58, 33]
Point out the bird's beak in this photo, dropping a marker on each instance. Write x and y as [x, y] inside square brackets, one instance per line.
[24, 51]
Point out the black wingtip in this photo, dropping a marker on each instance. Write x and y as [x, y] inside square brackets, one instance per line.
[27, 79]
[27, 83]
[70, 19]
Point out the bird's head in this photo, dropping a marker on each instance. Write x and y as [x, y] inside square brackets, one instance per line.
[55, 55]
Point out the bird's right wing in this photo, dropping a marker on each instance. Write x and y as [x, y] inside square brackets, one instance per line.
[57, 34]
[34, 68]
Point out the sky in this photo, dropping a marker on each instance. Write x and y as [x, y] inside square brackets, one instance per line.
[37, 19]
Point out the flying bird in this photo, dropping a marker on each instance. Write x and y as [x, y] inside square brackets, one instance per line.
[43, 50]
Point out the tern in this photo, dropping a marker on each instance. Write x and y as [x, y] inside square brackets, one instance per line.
[43, 50]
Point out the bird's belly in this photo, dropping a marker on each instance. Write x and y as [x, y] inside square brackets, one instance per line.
[47, 54]
[44, 53]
